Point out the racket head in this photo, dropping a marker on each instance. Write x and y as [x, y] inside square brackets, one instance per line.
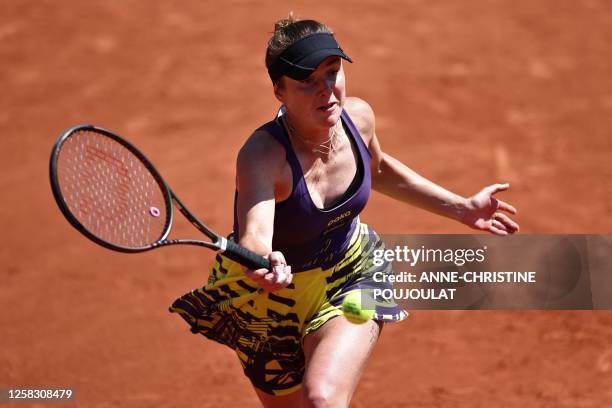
[109, 191]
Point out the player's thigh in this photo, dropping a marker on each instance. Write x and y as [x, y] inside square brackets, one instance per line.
[335, 357]
[283, 401]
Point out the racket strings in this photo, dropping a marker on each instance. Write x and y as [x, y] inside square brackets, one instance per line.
[110, 191]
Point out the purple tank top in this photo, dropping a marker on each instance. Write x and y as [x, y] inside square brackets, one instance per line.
[308, 236]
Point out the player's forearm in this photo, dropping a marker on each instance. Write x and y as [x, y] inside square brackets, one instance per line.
[255, 243]
[255, 220]
[398, 181]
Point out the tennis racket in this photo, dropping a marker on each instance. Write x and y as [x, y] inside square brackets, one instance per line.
[110, 192]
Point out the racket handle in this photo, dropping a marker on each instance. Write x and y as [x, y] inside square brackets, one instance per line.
[245, 257]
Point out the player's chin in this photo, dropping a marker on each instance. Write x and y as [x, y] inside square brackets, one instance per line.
[329, 114]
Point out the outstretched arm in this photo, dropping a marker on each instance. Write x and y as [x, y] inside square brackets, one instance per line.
[391, 177]
[482, 211]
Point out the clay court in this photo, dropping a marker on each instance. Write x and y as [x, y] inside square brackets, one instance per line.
[466, 93]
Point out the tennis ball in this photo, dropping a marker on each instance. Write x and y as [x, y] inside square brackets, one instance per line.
[351, 306]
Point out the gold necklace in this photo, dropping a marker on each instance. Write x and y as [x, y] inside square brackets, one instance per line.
[325, 147]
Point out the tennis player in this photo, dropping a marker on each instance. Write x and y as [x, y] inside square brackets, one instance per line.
[302, 180]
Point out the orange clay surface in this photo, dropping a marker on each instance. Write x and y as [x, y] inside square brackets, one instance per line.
[466, 93]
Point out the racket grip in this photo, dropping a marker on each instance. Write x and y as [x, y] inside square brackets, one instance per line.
[245, 257]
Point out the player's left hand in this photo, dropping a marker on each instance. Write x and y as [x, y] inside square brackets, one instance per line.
[485, 212]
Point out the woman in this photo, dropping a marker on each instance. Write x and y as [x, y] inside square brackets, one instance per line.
[302, 180]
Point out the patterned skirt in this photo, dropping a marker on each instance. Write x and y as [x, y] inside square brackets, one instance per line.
[266, 328]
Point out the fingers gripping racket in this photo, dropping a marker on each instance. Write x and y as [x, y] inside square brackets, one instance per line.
[111, 193]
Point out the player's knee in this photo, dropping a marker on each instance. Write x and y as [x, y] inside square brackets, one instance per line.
[324, 395]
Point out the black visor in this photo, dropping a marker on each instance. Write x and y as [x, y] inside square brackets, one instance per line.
[303, 57]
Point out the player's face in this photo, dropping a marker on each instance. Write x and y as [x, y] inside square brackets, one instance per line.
[318, 99]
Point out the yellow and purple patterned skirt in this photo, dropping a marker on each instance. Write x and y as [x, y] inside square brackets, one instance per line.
[266, 328]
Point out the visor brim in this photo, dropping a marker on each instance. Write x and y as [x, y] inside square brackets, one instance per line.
[307, 65]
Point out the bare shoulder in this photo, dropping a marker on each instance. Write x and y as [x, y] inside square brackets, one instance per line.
[261, 161]
[260, 149]
[362, 115]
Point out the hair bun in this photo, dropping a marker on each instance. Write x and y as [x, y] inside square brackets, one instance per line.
[285, 22]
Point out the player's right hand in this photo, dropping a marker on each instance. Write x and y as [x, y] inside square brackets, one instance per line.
[278, 278]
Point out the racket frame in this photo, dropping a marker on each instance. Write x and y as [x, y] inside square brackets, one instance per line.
[218, 243]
